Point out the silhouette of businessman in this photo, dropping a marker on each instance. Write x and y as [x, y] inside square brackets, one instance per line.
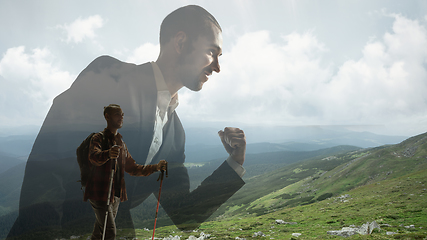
[51, 201]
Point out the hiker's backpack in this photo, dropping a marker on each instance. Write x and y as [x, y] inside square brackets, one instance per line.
[82, 153]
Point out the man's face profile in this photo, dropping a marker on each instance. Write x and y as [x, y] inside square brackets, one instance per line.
[115, 117]
[198, 63]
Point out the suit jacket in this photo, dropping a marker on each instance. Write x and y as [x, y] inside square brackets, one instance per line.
[51, 200]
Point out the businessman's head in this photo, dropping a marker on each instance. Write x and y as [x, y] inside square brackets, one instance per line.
[193, 20]
[191, 38]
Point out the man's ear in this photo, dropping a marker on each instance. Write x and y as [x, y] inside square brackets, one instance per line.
[179, 41]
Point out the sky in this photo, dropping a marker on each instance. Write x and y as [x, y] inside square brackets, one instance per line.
[361, 64]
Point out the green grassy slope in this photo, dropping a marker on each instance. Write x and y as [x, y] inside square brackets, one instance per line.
[316, 179]
[282, 187]
[385, 184]
[393, 203]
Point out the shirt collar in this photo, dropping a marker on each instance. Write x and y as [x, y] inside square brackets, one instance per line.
[163, 91]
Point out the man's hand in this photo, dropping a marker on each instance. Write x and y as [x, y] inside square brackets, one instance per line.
[234, 142]
[162, 165]
[114, 151]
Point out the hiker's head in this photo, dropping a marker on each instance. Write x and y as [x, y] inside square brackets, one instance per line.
[113, 114]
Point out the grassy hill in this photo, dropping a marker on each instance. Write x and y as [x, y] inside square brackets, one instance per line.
[261, 163]
[143, 215]
[285, 186]
[395, 204]
[385, 184]
[256, 166]
[327, 192]
[316, 179]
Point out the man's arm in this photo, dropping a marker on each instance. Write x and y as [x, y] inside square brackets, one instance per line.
[135, 169]
[97, 156]
[189, 209]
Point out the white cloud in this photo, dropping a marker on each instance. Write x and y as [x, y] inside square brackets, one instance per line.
[287, 83]
[389, 82]
[29, 83]
[263, 82]
[144, 53]
[82, 28]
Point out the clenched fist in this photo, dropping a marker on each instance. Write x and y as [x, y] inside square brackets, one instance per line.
[234, 141]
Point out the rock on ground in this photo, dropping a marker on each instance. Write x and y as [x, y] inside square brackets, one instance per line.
[280, 221]
[365, 229]
[258, 234]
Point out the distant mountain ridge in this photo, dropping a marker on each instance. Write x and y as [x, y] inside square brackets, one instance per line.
[259, 163]
[204, 153]
[7, 161]
[327, 136]
[18, 145]
[203, 144]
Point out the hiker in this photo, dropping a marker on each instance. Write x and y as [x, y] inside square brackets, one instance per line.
[190, 47]
[98, 186]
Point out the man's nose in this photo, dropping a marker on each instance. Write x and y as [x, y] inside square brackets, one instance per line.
[215, 66]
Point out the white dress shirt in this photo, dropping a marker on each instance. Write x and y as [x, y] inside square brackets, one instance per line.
[166, 103]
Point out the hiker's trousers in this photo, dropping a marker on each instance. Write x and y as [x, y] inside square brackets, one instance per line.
[100, 208]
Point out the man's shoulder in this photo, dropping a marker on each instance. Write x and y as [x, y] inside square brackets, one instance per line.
[101, 137]
[105, 62]
[107, 66]
[116, 68]
[98, 135]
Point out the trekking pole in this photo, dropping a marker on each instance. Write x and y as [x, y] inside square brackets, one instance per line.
[109, 195]
[158, 199]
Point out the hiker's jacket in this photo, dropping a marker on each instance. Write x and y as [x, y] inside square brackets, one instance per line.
[98, 184]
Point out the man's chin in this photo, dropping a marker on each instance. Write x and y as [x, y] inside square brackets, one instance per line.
[196, 88]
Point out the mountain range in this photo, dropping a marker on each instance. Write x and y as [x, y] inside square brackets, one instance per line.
[203, 144]
[271, 167]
